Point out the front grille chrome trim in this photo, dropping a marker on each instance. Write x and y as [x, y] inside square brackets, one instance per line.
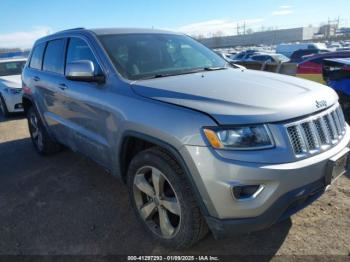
[316, 133]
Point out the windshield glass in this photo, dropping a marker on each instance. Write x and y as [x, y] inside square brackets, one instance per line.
[11, 68]
[140, 56]
[282, 58]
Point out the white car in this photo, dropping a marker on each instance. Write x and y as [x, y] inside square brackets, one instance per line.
[11, 85]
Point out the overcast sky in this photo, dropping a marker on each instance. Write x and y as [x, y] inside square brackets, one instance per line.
[21, 22]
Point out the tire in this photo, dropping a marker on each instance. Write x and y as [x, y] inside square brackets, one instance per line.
[3, 107]
[175, 200]
[42, 142]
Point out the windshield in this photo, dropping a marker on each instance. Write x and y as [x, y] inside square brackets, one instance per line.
[140, 56]
[11, 68]
[282, 58]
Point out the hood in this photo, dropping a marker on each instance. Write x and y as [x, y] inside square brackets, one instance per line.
[235, 96]
[13, 81]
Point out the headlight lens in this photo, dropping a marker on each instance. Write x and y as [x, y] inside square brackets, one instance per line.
[239, 138]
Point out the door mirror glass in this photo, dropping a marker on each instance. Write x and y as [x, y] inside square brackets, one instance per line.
[83, 70]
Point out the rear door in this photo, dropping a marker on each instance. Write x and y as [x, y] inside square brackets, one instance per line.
[52, 81]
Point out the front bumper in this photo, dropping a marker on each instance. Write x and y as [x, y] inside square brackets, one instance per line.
[284, 207]
[284, 186]
[13, 102]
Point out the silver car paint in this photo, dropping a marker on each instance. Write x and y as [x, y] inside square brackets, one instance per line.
[218, 175]
[235, 96]
[93, 118]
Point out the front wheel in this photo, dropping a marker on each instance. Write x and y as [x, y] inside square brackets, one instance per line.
[163, 200]
[42, 142]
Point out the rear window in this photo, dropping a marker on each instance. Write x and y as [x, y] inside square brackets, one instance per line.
[54, 56]
[11, 68]
[37, 57]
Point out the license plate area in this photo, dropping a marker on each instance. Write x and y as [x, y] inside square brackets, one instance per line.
[337, 166]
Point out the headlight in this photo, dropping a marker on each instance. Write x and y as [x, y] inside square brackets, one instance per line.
[239, 138]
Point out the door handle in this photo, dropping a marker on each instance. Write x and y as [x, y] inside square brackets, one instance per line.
[62, 86]
[36, 78]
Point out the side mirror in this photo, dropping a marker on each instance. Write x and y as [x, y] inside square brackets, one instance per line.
[83, 70]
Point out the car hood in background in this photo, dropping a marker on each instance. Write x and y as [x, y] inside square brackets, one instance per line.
[235, 96]
[13, 81]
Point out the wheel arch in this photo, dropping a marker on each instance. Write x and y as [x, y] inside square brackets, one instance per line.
[150, 141]
[27, 102]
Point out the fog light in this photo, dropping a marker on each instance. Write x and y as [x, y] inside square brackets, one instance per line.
[18, 106]
[244, 192]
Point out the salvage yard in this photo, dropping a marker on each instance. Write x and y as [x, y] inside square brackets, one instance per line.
[66, 204]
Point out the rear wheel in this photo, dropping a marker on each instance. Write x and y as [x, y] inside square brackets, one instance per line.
[163, 199]
[3, 107]
[42, 142]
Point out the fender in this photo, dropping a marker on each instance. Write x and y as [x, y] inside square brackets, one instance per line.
[174, 152]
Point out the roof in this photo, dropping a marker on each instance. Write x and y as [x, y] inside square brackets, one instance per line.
[105, 31]
[112, 31]
[345, 61]
[5, 60]
[332, 54]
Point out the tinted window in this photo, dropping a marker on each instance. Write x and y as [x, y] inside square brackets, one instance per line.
[259, 58]
[11, 68]
[54, 56]
[37, 57]
[138, 56]
[78, 49]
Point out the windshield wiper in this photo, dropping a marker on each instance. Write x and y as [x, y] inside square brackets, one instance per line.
[214, 68]
[184, 73]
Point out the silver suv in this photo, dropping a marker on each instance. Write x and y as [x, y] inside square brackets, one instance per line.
[201, 145]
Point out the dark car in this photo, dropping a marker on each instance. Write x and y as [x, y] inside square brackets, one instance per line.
[311, 68]
[299, 55]
[244, 55]
[336, 73]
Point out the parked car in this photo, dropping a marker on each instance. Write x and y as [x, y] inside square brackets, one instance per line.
[299, 55]
[199, 144]
[311, 68]
[336, 73]
[269, 58]
[225, 56]
[11, 85]
[244, 55]
[289, 49]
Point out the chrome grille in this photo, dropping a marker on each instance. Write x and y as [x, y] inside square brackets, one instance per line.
[317, 133]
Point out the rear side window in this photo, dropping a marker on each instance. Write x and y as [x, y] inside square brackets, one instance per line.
[259, 58]
[37, 57]
[78, 49]
[54, 56]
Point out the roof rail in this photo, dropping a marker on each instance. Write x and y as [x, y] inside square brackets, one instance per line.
[71, 29]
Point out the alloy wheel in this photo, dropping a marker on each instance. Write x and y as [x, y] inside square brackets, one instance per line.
[157, 202]
[35, 130]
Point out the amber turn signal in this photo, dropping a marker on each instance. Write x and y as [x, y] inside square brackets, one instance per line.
[213, 139]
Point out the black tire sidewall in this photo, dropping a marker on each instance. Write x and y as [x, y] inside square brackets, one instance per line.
[148, 158]
[29, 113]
[5, 112]
[49, 146]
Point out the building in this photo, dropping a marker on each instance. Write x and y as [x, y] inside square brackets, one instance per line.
[265, 38]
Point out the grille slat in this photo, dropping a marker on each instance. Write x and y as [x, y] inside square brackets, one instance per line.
[314, 134]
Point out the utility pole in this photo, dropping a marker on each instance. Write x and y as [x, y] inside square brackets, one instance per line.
[244, 28]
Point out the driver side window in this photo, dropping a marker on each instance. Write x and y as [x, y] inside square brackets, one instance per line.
[78, 49]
